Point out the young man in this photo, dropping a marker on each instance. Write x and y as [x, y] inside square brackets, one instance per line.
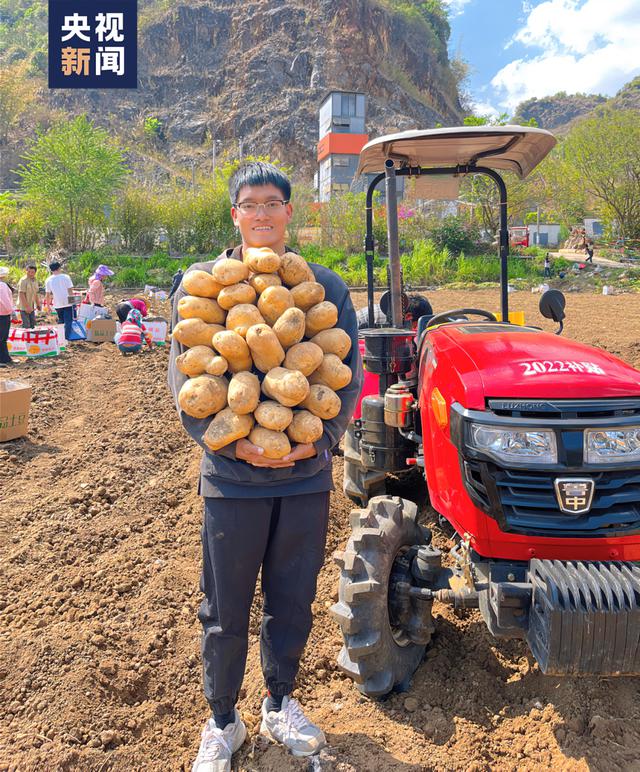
[264, 514]
[57, 288]
[28, 298]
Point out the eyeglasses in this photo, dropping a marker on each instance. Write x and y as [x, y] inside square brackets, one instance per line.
[250, 208]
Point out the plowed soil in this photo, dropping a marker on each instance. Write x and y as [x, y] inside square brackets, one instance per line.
[99, 640]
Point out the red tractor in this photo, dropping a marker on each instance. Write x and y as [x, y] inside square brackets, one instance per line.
[530, 448]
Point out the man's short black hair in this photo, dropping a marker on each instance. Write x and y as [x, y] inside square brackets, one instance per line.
[258, 173]
[31, 267]
[54, 265]
[418, 306]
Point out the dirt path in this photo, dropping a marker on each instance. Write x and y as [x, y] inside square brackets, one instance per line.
[99, 641]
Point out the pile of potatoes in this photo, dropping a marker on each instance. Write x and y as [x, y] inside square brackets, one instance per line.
[268, 313]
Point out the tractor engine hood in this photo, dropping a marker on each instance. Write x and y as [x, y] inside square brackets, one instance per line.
[507, 361]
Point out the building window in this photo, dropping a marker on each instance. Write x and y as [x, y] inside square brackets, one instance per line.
[348, 105]
[339, 161]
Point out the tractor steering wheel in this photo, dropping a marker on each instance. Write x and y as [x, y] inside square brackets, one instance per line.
[450, 316]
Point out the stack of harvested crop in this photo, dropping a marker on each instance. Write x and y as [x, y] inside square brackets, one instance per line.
[266, 315]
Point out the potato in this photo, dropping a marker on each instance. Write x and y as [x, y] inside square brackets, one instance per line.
[307, 294]
[274, 444]
[243, 316]
[320, 317]
[332, 373]
[272, 415]
[288, 387]
[227, 427]
[244, 392]
[195, 332]
[217, 366]
[234, 349]
[273, 302]
[195, 360]
[290, 327]
[207, 309]
[203, 396]
[305, 357]
[265, 347]
[236, 293]
[322, 401]
[229, 271]
[201, 284]
[305, 427]
[294, 270]
[261, 259]
[260, 281]
[334, 341]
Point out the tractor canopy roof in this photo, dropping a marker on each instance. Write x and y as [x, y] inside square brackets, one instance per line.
[514, 148]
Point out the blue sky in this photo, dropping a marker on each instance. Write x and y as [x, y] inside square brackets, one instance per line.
[519, 49]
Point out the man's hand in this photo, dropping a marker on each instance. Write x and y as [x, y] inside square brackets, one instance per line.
[300, 452]
[252, 454]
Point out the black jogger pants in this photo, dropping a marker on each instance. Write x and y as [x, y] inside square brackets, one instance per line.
[286, 537]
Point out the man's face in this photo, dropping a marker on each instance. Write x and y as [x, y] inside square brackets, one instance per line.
[262, 227]
[31, 273]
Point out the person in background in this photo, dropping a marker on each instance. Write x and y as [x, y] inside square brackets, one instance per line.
[133, 334]
[122, 310]
[547, 266]
[6, 309]
[588, 248]
[57, 288]
[95, 294]
[175, 282]
[139, 304]
[416, 307]
[28, 298]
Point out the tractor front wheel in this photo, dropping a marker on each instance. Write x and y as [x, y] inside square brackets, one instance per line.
[376, 655]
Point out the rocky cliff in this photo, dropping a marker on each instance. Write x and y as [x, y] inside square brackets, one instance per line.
[257, 71]
[560, 111]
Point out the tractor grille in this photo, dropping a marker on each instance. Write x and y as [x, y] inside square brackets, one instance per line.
[527, 504]
[566, 409]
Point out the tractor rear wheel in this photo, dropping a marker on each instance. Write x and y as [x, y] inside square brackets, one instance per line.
[375, 655]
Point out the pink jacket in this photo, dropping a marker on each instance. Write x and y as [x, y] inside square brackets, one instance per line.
[6, 300]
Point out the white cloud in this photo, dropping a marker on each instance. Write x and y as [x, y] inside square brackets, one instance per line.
[484, 109]
[582, 46]
[456, 7]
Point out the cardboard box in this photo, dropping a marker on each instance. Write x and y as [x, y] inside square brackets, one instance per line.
[157, 328]
[15, 401]
[101, 330]
[35, 342]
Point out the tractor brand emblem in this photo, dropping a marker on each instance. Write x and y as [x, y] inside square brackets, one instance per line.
[574, 494]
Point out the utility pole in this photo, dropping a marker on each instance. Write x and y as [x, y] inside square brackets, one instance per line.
[240, 149]
[213, 155]
[193, 175]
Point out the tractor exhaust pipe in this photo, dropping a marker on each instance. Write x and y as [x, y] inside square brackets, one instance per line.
[395, 278]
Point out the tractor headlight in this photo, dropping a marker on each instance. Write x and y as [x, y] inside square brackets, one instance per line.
[537, 446]
[605, 447]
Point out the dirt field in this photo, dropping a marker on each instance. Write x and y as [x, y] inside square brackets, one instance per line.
[99, 640]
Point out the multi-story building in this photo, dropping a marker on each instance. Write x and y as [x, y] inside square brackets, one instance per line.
[341, 138]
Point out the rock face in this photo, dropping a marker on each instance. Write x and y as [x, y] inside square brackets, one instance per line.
[257, 71]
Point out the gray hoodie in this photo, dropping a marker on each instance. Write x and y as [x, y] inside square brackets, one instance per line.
[224, 476]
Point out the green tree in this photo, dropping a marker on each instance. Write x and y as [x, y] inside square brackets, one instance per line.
[601, 157]
[71, 174]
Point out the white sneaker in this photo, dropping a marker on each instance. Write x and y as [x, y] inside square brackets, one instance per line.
[292, 728]
[218, 745]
